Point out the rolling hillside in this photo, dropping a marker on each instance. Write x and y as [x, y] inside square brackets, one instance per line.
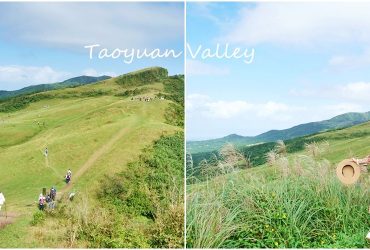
[100, 131]
[73, 82]
[341, 121]
[293, 201]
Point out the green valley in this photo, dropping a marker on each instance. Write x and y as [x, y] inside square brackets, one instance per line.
[123, 140]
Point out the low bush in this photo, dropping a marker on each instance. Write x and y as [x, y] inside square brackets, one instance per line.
[21, 102]
[38, 218]
[129, 92]
[152, 187]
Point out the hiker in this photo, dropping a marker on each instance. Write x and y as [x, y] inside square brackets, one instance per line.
[53, 193]
[363, 161]
[48, 200]
[52, 205]
[41, 202]
[46, 152]
[71, 196]
[68, 178]
[2, 200]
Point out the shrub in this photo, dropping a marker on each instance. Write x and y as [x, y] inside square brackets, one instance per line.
[152, 187]
[21, 102]
[38, 218]
[134, 92]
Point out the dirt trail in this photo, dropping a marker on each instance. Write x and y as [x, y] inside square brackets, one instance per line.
[95, 156]
[7, 218]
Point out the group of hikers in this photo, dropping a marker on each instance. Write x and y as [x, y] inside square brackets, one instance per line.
[48, 200]
[146, 98]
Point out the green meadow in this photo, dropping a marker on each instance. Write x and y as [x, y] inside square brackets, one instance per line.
[290, 199]
[99, 131]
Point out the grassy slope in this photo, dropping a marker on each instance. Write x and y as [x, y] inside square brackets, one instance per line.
[340, 121]
[73, 82]
[75, 129]
[231, 193]
[256, 153]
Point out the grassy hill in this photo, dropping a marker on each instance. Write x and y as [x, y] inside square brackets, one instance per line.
[294, 200]
[73, 82]
[102, 132]
[341, 121]
[256, 153]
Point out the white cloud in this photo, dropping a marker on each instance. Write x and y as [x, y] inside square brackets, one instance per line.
[271, 108]
[221, 109]
[302, 24]
[16, 76]
[195, 67]
[74, 25]
[350, 61]
[194, 101]
[341, 108]
[93, 72]
[209, 118]
[356, 92]
[225, 110]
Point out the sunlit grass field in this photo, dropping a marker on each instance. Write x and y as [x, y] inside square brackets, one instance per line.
[94, 136]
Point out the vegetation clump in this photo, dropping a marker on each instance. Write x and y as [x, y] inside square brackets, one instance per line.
[142, 77]
[174, 86]
[38, 218]
[20, 102]
[134, 92]
[152, 187]
[296, 201]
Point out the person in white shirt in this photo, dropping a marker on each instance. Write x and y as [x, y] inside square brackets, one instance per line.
[2, 200]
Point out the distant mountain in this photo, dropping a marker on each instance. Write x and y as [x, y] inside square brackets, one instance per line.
[73, 82]
[340, 121]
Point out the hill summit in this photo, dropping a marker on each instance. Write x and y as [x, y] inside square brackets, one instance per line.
[142, 77]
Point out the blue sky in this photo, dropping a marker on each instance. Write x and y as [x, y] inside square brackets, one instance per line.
[311, 63]
[44, 42]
